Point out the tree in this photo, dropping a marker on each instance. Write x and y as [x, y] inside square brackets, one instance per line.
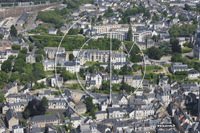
[31, 48]
[14, 76]
[176, 48]
[2, 98]
[81, 72]
[13, 31]
[35, 107]
[155, 38]
[66, 75]
[99, 18]
[90, 107]
[81, 31]
[165, 47]
[154, 53]
[6, 66]
[1, 36]
[40, 51]
[129, 34]
[38, 71]
[45, 102]
[39, 58]
[176, 57]
[3, 78]
[71, 56]
[15, 47]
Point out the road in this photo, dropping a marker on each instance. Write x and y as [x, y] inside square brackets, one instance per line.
[31, 25]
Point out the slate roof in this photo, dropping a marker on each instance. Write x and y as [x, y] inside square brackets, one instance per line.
[10, 114]
[40, 118]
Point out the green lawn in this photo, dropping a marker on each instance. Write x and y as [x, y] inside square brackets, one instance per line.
[48, 113]
[85, 114]
[186, 49]
[49, 72]
[90, 63]
[152, 69]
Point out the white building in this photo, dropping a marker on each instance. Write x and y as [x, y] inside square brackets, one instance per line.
[178, 67]
[17, 129]
[193, 74]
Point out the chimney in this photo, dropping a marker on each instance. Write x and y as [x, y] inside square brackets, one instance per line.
[183, 121]
[181, 116]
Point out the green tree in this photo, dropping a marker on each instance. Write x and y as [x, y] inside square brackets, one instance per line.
[154, 53]
[45, 102]
[15, 47]
[2, 98]
[6, 66]
[66, 75]
[81, 72]
[99, 18]
[40, 51]
[39, 58]
[71, 56]
[3, 78]
[13, 31]
[1, 36]
[165, 47]
[176, 57]
[14, 76]
[31, 48]
[129, 34]
[176, 48]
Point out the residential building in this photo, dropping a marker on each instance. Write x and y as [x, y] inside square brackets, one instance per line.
[52, 51]
[17, 129]
[193, 74]
[52, 30]
[56, 81]
[98, 55]
[42, 120]
[178, 67]
[11, 118]
[31, 58]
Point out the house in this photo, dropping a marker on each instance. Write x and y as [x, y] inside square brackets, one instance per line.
[52, 51]
[23, 19]
[63, 29]
[57, 104]
[16, 40]
[25, 45]
[119, 65]
[12, 88]
[101, 115]
[134, 81]
[31, 58]
[2, 127]
[62, 57]
[76, 121]
[98, 55]
[11, 118]
[56, 81]
[71, 66]
[93, 80]
[42, 120]
[115, 112]
[178, 67]
[17, 129]
[52, 30]
[193, 74]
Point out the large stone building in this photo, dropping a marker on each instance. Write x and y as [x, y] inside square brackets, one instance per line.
[98, 55]
[196, 40]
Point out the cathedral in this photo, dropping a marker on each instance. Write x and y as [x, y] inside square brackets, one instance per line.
[196, 40]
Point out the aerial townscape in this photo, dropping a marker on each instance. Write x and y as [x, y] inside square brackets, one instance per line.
[99, 66]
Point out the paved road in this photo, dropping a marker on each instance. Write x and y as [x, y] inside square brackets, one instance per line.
[32, 24]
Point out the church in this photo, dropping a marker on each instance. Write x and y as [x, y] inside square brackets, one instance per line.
[196, 39]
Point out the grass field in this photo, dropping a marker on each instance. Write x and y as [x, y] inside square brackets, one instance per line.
[152, 69]
[186, 49]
